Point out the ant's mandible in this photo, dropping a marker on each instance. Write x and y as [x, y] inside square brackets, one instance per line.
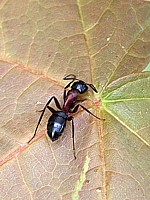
[57, 120]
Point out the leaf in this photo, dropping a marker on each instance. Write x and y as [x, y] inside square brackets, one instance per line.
[128, 101]
[127, 143]
[101, 42]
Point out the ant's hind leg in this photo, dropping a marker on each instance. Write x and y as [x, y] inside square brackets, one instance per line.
[74, 150]
[51, 109]
[43, 111]
[41, 116]
[71, 119]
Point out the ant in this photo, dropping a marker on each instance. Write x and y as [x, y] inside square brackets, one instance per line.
[57, 120]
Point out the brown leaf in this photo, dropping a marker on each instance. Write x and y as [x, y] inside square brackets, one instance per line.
[100, 42]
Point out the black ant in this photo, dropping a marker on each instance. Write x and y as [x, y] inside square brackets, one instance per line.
[57, 120]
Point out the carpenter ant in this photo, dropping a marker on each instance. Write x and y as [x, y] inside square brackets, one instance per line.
[57, 120]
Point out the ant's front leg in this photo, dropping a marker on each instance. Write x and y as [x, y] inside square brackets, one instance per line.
[68, 77]
[43, 111]
[64, 95]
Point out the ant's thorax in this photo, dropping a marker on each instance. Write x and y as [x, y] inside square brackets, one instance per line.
[70, 100]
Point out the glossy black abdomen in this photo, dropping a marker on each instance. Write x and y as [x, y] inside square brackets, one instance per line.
[56, 125]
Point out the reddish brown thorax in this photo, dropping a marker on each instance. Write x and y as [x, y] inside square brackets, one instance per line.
[70, 100]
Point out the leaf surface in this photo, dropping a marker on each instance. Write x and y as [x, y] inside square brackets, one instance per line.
[102, 42]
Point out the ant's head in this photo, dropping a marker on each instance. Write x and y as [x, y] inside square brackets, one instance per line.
[80, 86]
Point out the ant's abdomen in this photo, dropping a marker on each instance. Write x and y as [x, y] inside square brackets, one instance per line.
[56, 125]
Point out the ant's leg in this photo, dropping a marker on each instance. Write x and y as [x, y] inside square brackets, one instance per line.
[93, 87]
[56, 103]
[64, 95]
[51, 109]
[77, 106]
[43, 111]
[71, 119]
[73, 138]
[70, 78]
